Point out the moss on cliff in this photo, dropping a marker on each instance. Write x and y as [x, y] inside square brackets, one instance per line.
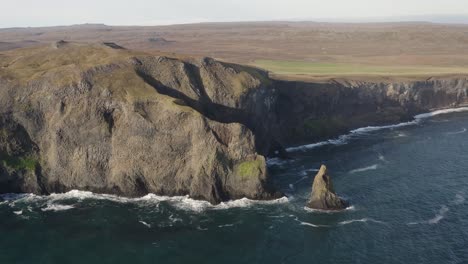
[248, 169]
[19, 163]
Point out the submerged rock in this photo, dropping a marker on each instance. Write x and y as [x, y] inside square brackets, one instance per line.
[323, 195]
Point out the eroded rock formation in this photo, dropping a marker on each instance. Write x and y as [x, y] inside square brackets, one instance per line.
[323, 196]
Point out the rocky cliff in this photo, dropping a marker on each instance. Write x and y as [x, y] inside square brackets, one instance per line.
[309, 112]
[109, 120]
[106, 119]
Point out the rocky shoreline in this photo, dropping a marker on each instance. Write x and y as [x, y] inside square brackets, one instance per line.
[95, 118]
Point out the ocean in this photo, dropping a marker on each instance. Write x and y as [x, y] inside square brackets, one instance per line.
[407, 185]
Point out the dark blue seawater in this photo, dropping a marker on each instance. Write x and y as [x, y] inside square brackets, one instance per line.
[407, 185]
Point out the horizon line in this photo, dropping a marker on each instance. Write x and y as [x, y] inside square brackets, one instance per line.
[458, 19]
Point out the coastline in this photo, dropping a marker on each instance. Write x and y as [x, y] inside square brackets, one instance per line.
[343, 139]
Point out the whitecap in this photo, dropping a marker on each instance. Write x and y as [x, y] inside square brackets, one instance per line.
[308, 224]
[457, 132]
[226, 225]
[57, 207]
[18, 212]
[363, 220]
[145, 224]
[372, 167]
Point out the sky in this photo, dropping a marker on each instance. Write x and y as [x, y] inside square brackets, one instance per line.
[24, 13]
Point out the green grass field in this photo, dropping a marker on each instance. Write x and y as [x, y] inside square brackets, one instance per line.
[341, 69]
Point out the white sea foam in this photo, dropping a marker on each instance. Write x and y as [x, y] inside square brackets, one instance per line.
[363, 220]
[382, 158]
[18, 212]
[349, 208]
[308, 224]
[181, 202]
[436, 219]
[226, 225]
[301, 179]
[457, 132]
[400, 135]
[57, 207]
[278, 161]
[372, 167]
[244, 202]
[459, 199]
[145, 224]
[441, 112]
[343, 139]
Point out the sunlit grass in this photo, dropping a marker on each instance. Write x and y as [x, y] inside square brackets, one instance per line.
[324, 69]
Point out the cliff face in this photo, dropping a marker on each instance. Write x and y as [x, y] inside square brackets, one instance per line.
[309, 112]
[104, 119]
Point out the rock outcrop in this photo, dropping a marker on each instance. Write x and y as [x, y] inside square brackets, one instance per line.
[323, 196]
[107, 120]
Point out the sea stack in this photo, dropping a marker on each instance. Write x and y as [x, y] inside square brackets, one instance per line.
[323, 195]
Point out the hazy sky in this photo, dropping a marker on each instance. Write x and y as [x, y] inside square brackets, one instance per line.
[152, 12]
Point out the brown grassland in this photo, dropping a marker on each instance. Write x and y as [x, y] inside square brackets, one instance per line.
[293, 50]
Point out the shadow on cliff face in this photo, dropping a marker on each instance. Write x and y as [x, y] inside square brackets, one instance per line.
[310, 112]
[20, 170]
[204, 105]
[252, 114]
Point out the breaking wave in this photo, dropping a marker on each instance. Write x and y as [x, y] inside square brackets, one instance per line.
[349, 208]
[57, 207]
[343, 139]
[180, 202]
[145, 224]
